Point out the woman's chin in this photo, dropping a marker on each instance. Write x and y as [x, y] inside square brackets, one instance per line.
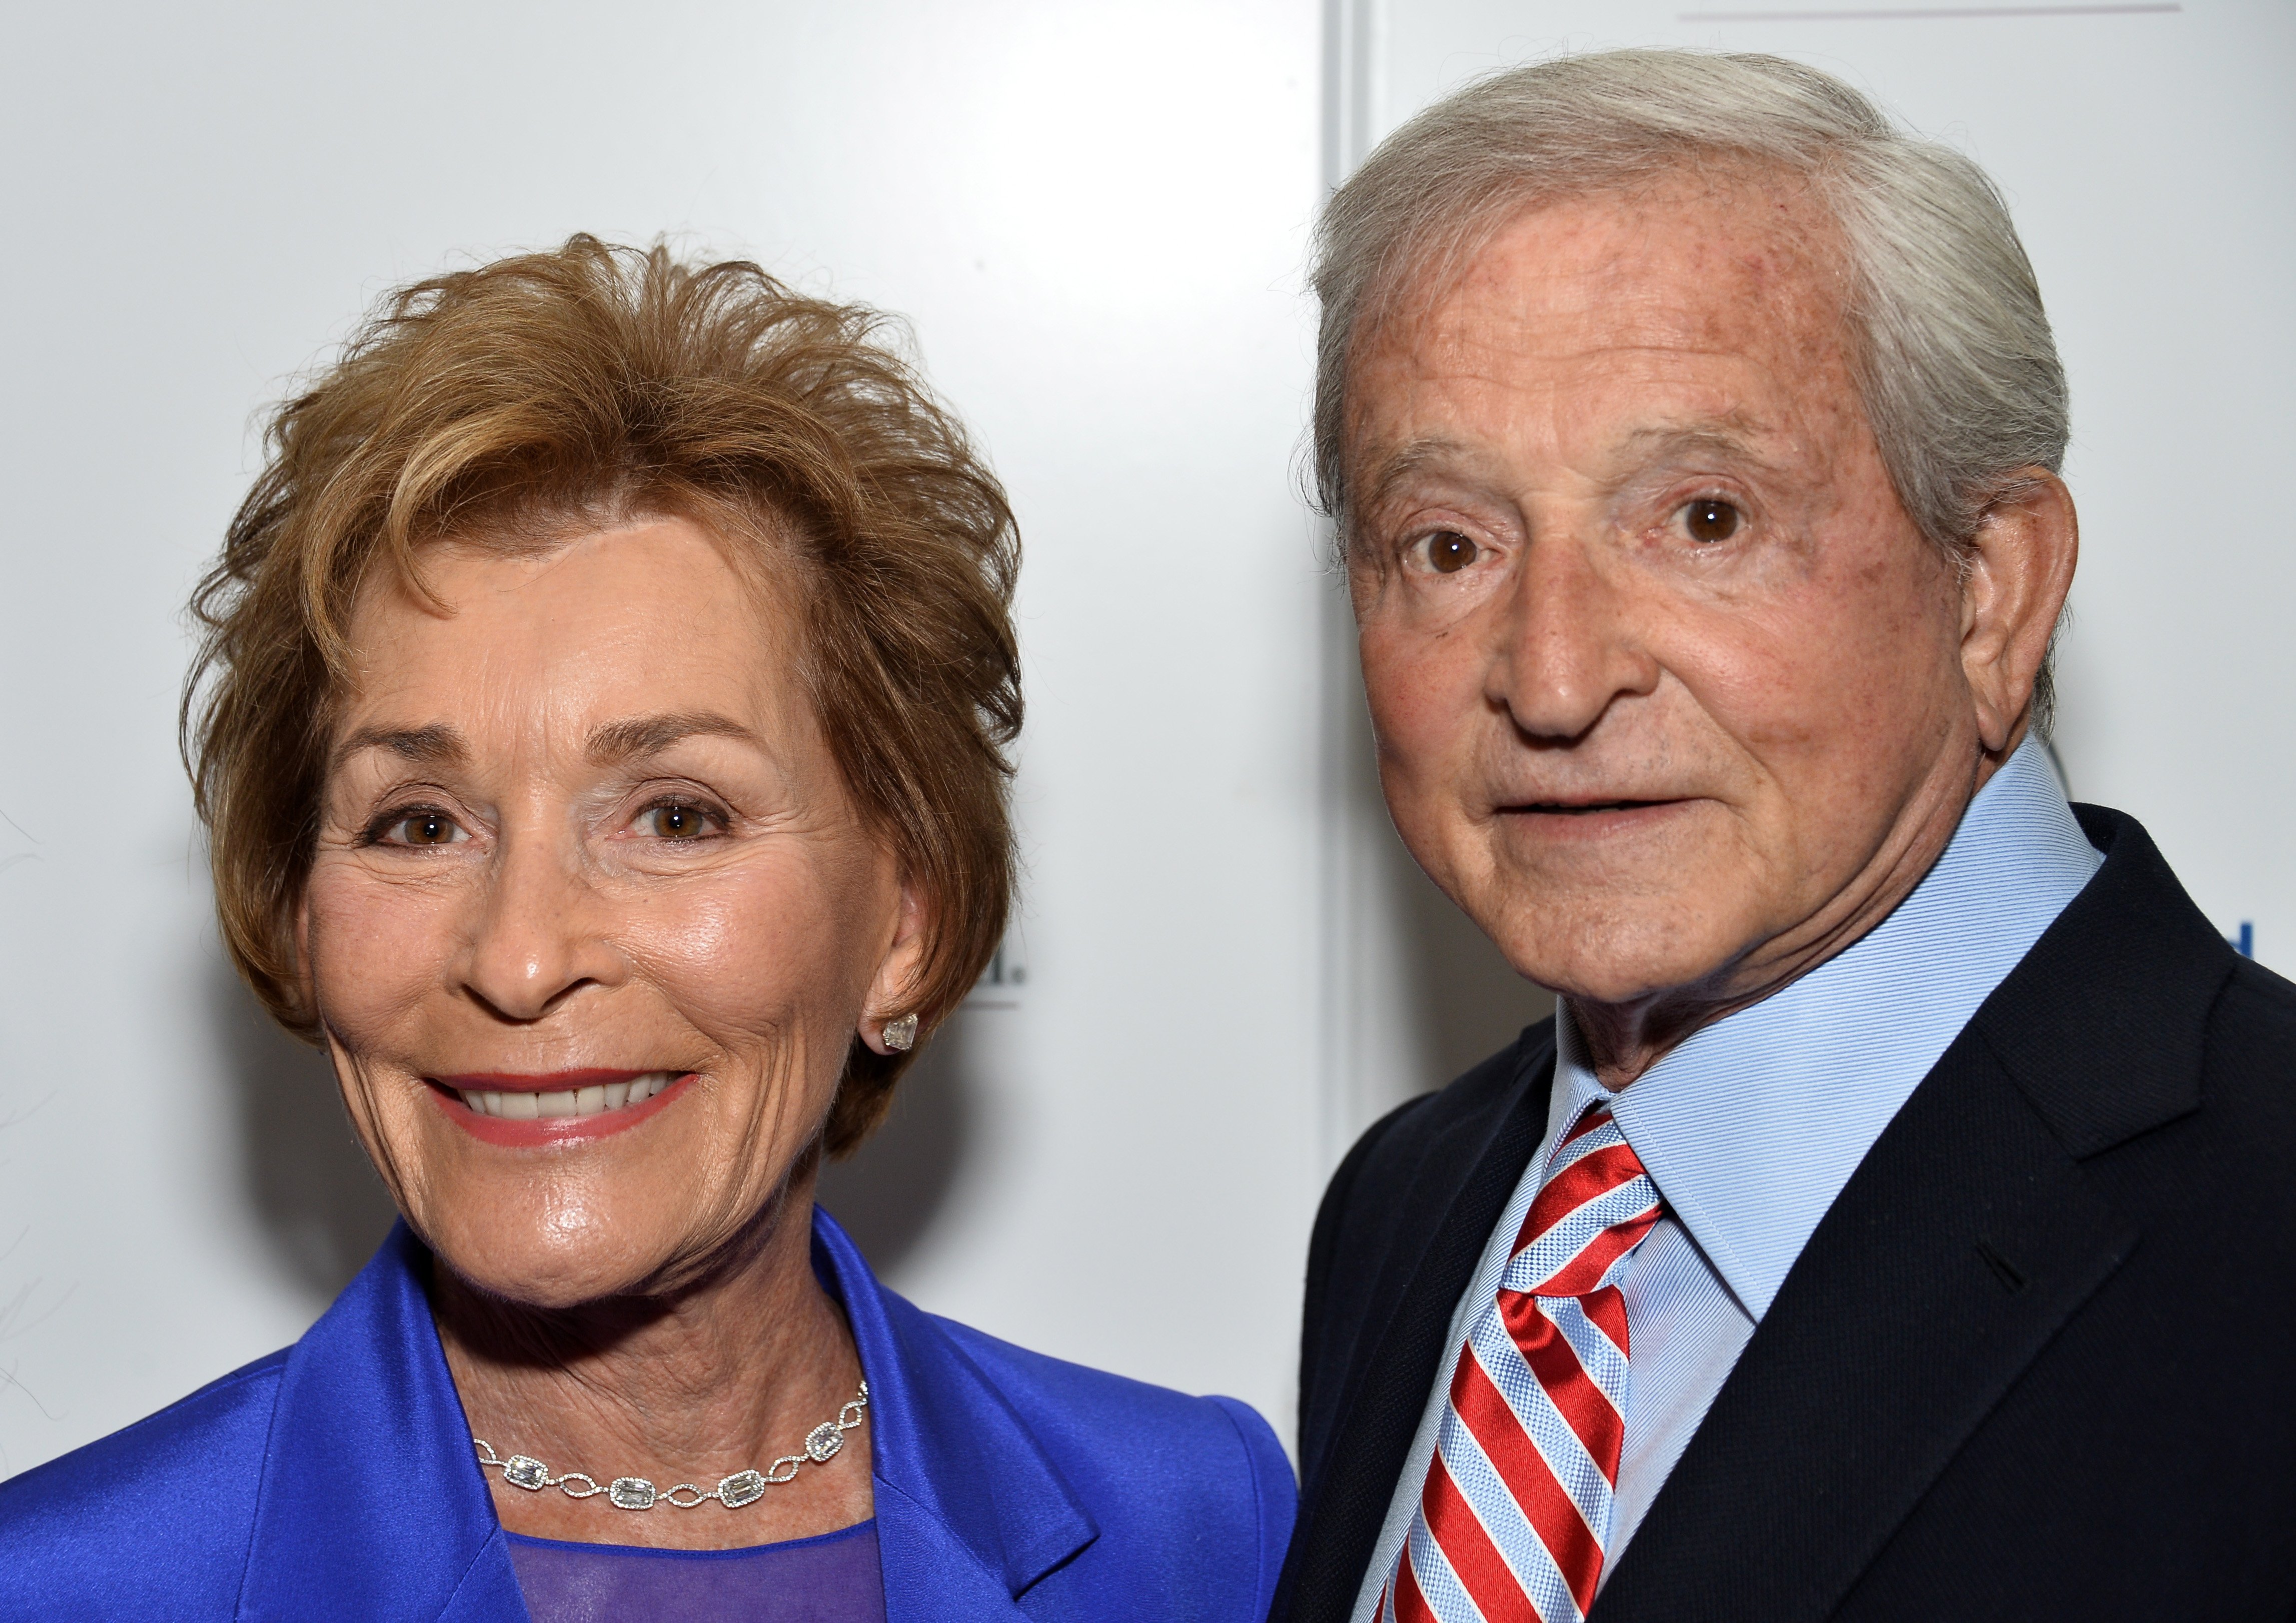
[643, 1212]
[557, 1258]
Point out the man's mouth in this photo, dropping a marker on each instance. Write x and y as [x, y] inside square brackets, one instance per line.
[1581, 808]
[571, 1103]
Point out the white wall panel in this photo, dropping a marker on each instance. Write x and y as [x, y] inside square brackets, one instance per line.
[1094, 217]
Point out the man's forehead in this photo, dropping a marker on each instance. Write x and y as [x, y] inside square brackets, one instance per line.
[1695, 263]
[1672, 316]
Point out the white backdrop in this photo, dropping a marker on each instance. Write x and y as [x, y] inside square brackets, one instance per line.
[1096, 216]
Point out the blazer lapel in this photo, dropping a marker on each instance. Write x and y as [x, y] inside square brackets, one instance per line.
[1967, 1236]
[971, 1509]
[1401, 1351]
[930, 1573]
[371, 1497]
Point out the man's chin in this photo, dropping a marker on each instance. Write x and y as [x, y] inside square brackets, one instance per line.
[1620, 959]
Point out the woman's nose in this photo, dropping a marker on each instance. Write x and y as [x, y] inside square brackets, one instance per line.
[538, 938]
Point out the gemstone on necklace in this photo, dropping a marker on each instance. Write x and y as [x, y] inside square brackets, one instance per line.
[823, 1441]
[742, 1488]
[631, 1493]
[524, 1470]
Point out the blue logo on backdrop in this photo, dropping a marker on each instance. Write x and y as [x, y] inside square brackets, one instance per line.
[2245, 943]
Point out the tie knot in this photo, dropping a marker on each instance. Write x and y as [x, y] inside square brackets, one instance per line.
[1593, 1207]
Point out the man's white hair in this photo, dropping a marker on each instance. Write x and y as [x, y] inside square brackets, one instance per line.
[1949, 344]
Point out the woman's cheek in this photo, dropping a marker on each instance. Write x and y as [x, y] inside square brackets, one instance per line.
[375, 949]
[744, 955]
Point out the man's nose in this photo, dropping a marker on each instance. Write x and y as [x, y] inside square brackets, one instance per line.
[538, 939]
[1570, 645]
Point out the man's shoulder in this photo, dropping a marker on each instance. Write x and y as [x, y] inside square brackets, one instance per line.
[1443, 1163]
[2254, 1023]
[2133, 1013]
[2248, 1075]
[1394, 1149]
[81, 1531]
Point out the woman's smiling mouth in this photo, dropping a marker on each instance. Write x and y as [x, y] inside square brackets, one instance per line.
[553, 1108]
[590, 1099]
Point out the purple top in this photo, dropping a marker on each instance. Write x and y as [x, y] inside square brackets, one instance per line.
[831, 1578]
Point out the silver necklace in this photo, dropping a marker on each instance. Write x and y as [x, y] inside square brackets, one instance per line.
[636, 1493]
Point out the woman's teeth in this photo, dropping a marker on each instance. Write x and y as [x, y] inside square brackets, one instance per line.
[576, 1102]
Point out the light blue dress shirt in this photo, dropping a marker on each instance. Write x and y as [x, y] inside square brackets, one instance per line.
[1752, 1126]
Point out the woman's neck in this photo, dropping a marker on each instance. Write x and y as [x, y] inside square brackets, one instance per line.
[722, 1375]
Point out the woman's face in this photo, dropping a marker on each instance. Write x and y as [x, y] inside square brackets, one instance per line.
[593, 921]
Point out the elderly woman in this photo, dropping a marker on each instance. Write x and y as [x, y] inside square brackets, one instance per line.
[600, 732]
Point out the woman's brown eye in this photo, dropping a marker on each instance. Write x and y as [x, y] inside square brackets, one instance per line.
[1449, 552]
[679, 822]
[1710, 521]
[428, 828]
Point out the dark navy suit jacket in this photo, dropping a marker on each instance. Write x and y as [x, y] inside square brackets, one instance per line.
[2039, 1362]
[337, 1480]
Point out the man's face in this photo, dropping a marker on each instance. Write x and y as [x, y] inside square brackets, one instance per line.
[1667, 686]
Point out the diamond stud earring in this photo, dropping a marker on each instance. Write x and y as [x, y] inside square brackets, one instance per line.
[901, 1035]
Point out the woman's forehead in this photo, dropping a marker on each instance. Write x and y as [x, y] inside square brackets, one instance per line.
[647, 620]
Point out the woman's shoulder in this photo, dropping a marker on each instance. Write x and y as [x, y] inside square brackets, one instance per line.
[1191, 1494]
[1114, 1414]
[82, 1530]
[1094, 1494]
[1114, 1438]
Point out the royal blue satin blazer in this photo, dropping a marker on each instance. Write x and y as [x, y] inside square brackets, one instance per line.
[337, 1480]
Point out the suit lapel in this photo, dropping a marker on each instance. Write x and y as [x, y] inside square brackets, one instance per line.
[1966, 1237]
[1399, 1355]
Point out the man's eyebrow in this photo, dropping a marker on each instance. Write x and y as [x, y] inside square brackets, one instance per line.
[1399, 465]
[436, 744]
[1730, 438]
[641, 736]
[1403, 462]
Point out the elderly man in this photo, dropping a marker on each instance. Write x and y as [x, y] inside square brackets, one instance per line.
[1897, 1220]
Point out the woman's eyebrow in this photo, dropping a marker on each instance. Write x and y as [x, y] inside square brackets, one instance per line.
[639, 735]
[436, 744]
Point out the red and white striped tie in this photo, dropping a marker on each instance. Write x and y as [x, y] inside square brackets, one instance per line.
[1516, 1511]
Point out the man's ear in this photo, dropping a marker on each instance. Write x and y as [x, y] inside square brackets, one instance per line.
[891, 992]
[2020, 569]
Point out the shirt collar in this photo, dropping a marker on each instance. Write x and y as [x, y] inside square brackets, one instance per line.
[1752, 1126]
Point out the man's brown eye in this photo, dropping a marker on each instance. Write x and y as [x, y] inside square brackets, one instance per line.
[1710, 521]
[1449, 552]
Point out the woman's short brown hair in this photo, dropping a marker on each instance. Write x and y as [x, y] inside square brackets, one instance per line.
[588, 387]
